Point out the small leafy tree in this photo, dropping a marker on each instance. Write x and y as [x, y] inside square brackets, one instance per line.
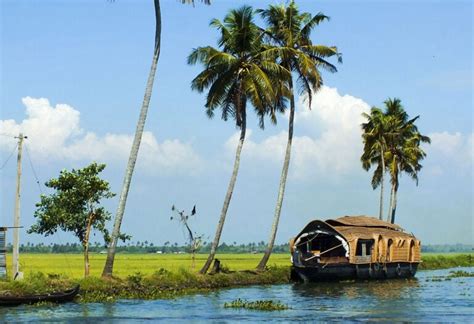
[194, 240]
[74, 206]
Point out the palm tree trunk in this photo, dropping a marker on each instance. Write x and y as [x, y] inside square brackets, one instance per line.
[382, 184]
[228, 196]
[281, 190]
[392, 191]
[394, 205]
[108, 268]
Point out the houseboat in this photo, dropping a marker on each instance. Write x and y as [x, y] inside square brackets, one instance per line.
[353, 247]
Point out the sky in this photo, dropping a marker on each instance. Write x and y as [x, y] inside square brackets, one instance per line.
[72, 78]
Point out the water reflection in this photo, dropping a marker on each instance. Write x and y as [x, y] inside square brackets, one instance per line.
[386, 289]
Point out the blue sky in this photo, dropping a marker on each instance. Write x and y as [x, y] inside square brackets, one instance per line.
[89, 62]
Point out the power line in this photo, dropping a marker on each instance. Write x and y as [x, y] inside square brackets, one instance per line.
[7, 135]
[33, 168]
[9, 157]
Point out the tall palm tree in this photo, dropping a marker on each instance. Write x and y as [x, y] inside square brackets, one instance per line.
[404, 152]
[238, 72]
[375, 131]
[289, 31]
[132, 159]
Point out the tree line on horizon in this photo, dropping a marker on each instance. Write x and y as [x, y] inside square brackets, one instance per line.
[149, 247]
[262, 67]
[173, 248]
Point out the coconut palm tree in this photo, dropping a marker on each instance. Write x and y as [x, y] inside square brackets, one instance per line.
[132, 159]
[404, 152]
[289, 31]
[238, 72]
[375, 131]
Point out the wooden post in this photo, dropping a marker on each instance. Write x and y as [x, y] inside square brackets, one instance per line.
[16, 219]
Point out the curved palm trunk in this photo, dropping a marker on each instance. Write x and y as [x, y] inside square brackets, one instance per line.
[394, 204]
[135, 147]
[281, 190]
[381, 184]
[390, 205]
[228, 196]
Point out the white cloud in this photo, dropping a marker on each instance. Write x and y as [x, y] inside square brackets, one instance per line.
[450, 149]
[54, 133]
[332, 142]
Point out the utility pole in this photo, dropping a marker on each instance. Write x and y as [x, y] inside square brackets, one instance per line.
[16, 220]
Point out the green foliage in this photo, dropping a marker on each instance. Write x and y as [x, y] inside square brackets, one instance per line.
[392, 143]
[240, 70]
[392, 132]
[288, 37]
[74, 204]
[403, 142]
[263, 305]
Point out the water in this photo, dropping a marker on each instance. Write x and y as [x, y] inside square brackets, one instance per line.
[419, 299]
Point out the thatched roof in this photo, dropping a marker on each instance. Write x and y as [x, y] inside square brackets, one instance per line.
[355, 227]
[354, 232]
[362, 221]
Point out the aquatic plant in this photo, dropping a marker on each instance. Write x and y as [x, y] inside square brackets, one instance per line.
[460, 273]
[263, 305]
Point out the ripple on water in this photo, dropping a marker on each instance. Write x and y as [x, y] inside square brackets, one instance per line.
[419, 299]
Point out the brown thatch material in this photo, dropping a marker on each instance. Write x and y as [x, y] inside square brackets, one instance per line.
[390, 242]
[364, 221]
[351, 232]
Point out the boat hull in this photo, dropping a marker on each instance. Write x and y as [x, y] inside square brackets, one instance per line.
[349, 271]
[57, 297]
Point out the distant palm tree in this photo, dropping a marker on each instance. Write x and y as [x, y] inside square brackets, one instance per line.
[109, 263]
[238, 72]
[403, 149]
[288, 31]
[375, 132]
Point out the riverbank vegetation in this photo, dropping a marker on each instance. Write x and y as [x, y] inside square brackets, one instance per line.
[445, 261]
[145, 276]
[161, 284]
[264, 305]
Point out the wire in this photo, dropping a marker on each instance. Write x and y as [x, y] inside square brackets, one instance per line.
[7, 135]
[9, 157]
[57, 235]
[33, 169]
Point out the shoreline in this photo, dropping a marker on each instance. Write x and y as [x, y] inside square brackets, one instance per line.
[164, 284]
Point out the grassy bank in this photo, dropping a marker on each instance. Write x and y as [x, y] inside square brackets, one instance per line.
[161, 284]
[163, 276]
[444, 261]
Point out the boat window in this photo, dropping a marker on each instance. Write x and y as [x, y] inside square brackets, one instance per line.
[389, 250]
[364, 247]
[411, 255]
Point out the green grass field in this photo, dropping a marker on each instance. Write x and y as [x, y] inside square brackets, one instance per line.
[72, 265]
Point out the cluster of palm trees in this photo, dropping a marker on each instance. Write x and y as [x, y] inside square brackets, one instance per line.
[263, 67]
[252, 64]
[392, 145]
[260, 66]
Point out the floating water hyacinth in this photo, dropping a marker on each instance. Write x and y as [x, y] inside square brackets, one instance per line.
[264, 305]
